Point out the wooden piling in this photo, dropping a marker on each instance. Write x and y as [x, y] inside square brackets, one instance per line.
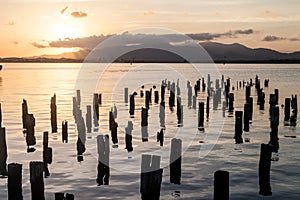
[172, 96]
[30, 137]
[160, 137]
[162, 91]
[274, 122]
[287, 111]
[194, 101]
[144, 124]
[24, 112]
[175, 161]
[190, 94]
[70, 196]
[88, 118]
[221, 185]
[64, 134]
[251, 109]
[96, 110]
[81, 138]
[78, 97]
[132, 105]
[201, 116]
[103, 160]
[238, 127]
[151, 177]
[262, 101]
[53, 109]
[246, 117]
[128, 136]
[162, 115]
[231, 100]
[207, 108]
[14, 182]
[179, 111]
[114, 130]
[276, 91]
[59, 196]
[37, 181]
[248, 93]
[125, 95]
[147, 99]
[3, 152]
[156, 97]
[264, 170]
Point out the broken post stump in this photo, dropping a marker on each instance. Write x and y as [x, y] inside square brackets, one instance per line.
[156, 97]
[201, 116]
[179, 112]
[81, 138]
[14, 182]
[147, 99]
[287, 111]
[64, 131]
[128, 136]
[114, 130]
[53, 109]
[37, 181]
[246, 116]
[248, 92]
[3, 152]
[88, 118]
[162, 115]
[264, 170]
[238, 127]
[24, 112]
[125, 95]
[96, 109]
[207, 108]
[151, 177]
[194, 101]
[103, 160]
[144, 124]
[160, 137]
[231, 100]
[132, 105]
[175, 161]
[30, 137]
[274, 122]
[221, 185]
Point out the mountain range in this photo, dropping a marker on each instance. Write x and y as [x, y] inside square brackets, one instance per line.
[220, 53]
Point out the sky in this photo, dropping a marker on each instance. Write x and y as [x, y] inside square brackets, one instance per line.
[40, 27]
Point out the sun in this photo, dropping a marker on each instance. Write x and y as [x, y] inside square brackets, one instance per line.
[62, 30]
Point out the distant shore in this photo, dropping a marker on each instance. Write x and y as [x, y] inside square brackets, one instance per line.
[70, 60]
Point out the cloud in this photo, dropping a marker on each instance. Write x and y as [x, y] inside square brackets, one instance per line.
[78, 14]
[212, 36]
[11, 23]
[62, 11]
[37, 45]
[273, 38]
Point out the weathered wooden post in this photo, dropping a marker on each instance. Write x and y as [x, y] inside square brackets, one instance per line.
[132, 105]
[172, 96]
[215, 101]
[190, 94]
[207, 108]
[144, 124]
[100, 99]
[294, 106]
[59, 196]
[81, 138]
[3, 152]
[37, 181]
[248, 93]
[262, 101]
[24, 112]
[147, 99]
[103, 160]
[198, 85]
[70, 196]
[276, 91]
[114, 130]
[266, 84]
[156, 97]
[96, 110]
[201, 116]
[151, 177]
[88, 118]
[175, 161]
[179, 112]
[274, 122]
[53, 114]
[287, 111]
[162, 91]
[162, 115]
[195, 90]
[251, 109]
[238, 127]
[47, 154]
[30, 138]
[78, 97]
[194, 101]
[64, 134]
[128, 136]
[272, 102]
[14, 182]
[221, 185]
[126, 95]
[160, 137]
[224, 108]
[178, 88]
[231, 100]
[246, 116]
[264, 170]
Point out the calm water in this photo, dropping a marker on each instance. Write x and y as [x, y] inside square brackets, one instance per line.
[38, 82]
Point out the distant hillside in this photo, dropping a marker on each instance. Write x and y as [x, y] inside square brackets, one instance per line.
[220, 53]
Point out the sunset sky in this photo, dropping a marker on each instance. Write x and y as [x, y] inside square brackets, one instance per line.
[32, 27]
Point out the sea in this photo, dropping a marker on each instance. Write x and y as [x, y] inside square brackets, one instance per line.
[203, 153]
